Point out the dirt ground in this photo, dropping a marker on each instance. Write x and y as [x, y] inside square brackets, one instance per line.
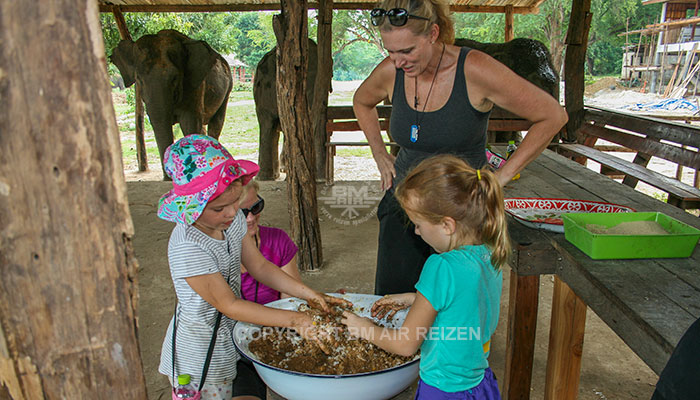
[610, 370]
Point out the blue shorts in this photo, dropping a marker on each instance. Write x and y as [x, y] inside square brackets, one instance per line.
[487, 389]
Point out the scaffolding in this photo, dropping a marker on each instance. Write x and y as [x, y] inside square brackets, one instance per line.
[665, 57]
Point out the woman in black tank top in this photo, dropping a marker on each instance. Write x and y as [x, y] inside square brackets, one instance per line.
[442, 96]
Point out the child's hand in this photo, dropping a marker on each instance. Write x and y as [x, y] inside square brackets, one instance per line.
[305, 326]
[357, 326]
[323, 302]
[389, 305]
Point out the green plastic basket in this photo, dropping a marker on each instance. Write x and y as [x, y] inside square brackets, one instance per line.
[679, 243]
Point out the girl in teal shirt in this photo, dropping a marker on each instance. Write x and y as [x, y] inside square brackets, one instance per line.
[459, 212]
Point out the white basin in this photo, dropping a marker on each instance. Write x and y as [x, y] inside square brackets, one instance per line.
[292, 385]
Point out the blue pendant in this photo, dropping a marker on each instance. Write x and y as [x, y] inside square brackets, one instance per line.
[414, 133]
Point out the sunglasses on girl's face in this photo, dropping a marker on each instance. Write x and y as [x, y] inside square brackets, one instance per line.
[256, 208]
[397, 16]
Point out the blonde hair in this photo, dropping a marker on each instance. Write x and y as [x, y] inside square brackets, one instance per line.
[252, 184]
[446, 186]
[437, 11]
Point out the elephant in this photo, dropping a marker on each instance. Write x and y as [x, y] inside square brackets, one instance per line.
[183, 81]
[265, 95]
[528, 58]
[117, 82]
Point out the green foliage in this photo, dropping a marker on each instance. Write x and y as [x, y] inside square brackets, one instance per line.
[217, 29]
[482, 27]
[254, 37]
[357, 46]
[243, 87]
[130, 98]
[356, 61]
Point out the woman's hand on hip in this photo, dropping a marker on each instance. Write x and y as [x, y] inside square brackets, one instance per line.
[385, 163]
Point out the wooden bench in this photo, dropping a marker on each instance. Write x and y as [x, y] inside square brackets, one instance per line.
[342, 119]
[674, 142]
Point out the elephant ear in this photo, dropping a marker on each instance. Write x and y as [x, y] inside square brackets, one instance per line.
[123, 58]
[200, 60]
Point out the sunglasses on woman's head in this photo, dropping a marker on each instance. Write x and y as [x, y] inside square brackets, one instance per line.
[397, 16]
[256, 208]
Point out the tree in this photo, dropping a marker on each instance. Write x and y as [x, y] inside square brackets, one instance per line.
[217, 29]
[69, 293]
[253, 37]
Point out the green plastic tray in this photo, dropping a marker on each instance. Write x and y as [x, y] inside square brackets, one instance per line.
[678, 244]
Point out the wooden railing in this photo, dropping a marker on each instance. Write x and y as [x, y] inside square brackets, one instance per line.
[674, 142]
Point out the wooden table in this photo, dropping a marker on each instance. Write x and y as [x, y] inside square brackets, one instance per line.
[649, 303]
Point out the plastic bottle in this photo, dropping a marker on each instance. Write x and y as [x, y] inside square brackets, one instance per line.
[510, 149]
[184, 389]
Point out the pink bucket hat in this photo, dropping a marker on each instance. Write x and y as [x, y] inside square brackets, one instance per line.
[201, 169]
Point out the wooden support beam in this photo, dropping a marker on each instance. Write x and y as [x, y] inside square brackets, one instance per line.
[69, 287]
[577, 44]
[360, 5]
[324, 72]
[565, 343]
[520, 338]
[290, 28]
[141, 155]
[509, 23]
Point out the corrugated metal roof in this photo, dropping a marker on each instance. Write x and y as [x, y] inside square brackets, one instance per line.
[519, 6]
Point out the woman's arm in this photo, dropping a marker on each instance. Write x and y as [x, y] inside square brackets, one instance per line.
[489, 82]
[404, 341]
[376, 88]
[292, 270]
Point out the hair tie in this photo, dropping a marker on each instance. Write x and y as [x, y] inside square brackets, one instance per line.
[478, 174]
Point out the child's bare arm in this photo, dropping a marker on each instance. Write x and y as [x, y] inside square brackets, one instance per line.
[216, 291]
[270, 275]
[404, 341]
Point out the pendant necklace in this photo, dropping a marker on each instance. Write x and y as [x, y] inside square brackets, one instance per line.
[415, 128]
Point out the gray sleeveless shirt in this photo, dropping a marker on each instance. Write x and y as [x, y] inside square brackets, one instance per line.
[456, 128]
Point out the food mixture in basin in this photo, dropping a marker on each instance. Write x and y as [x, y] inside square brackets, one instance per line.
[284, 348]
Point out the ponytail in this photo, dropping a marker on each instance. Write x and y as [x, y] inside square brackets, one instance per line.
[494, 231]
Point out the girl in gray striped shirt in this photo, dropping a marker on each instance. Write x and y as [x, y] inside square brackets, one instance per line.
[205, 252]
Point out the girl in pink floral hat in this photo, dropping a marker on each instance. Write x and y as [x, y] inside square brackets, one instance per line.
[205, 252]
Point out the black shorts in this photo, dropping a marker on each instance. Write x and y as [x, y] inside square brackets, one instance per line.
[248, 382]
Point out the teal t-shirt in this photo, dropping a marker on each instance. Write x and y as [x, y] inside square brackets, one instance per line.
[465, 290]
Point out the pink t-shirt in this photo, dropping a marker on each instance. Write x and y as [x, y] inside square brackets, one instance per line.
[278, 248]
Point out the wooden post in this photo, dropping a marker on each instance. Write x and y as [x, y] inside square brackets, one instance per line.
[520, 339]
[290, 28]
[577, 43]
[663, 59]
[509, 23]
[141, 155]
[68, 295]
[322, 85]
[565, 343]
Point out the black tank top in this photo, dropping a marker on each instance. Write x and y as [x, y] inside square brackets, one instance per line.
[456, 128]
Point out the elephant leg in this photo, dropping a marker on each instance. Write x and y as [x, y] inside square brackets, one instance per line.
[164, 138]
[191, 123]
[216, 123]
[268, 153]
